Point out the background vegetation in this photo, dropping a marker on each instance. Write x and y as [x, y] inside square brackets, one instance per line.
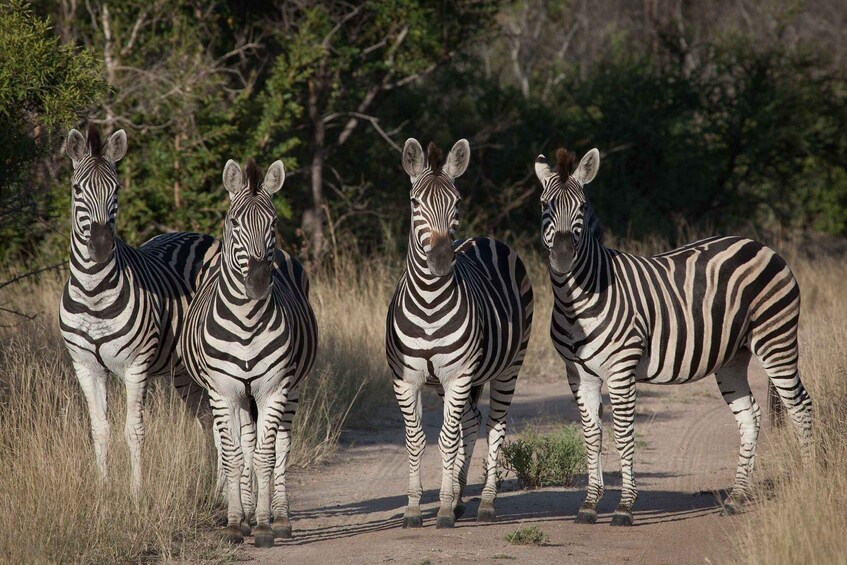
[718, 115]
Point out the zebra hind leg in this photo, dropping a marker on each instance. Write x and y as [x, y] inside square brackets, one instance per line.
[735, 389]
[586, 391]
[502, 388]
[279, 505]
[622, 395]
[248, 446]
[409, 398]
[456, 396]
[470, 428]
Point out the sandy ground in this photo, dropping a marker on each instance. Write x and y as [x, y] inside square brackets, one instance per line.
[350, 510]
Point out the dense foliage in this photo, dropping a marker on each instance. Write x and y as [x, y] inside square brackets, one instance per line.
[700, 122]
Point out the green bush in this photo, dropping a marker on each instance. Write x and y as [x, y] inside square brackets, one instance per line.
[530, 535]
[541, 460]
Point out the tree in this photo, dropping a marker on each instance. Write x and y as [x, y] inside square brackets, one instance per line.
[44, 86]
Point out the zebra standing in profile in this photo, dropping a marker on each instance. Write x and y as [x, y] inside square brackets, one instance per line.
[669, 319]
[122, 308]
[460, 317]
[250, 338]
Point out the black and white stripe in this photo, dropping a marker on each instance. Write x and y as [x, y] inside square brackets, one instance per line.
[673, 318]
[122, 308]
[460, 317]
[250, 338]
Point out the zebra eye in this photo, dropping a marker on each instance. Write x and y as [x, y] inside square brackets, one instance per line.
[77, 190]
[234, 222]
[415, 202]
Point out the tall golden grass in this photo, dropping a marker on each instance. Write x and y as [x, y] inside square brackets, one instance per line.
[59, 511]
[801, 511]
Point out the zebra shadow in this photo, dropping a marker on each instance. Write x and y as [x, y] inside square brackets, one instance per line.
[555, 506]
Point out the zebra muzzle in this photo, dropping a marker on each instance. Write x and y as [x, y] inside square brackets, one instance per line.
[101, 242]
[561, 252]
[441, 256]
[257, 283]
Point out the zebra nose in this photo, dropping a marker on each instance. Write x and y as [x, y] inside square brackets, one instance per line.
[101, 242]
[561, 252]
[441, 255]
[258, 280]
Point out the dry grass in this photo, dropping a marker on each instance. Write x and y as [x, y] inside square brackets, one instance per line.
[58, 509]
[802, 511]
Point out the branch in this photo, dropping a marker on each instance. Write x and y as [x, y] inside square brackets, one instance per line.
[135, 29]
[31, 273]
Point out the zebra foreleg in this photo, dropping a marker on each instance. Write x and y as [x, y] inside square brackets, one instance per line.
[456, 395]
[135, 381]
[622, 395]
[92, 381]
[271, 410]
[586, 392]
[502, 388]
[735, 389]
[409, 398]
[227, 420]
[281, 521]
[470, 428]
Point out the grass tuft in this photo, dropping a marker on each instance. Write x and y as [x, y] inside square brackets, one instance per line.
[539, 460]
[529, 535]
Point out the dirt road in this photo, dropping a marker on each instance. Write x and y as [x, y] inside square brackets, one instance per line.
[350, 511]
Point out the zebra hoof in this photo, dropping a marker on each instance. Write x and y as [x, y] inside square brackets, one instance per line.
[412, 518]
[486, 512]
[586, 515]
[282, 528]
[263, 536]
[445, 518]
[459, 511]
[233, 534]
[245, 528]
[622, 518]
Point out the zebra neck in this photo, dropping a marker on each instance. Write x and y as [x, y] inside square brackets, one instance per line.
[231, 291]
[591, 270]
[92, 282]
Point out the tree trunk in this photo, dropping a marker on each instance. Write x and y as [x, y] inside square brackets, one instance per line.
[313, 221]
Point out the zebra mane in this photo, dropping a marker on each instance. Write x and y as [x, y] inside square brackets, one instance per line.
[565, 163]
[95, 146]
[434, 157]
[253, 176]
[592, 223]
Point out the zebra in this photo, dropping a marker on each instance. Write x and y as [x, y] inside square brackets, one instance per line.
[460, 316]
[673, 318]
[122, 308]
[249, 339]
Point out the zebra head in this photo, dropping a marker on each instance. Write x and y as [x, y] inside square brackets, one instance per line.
[435, 200]
[250, 226]
[95, 189]
[563, 205]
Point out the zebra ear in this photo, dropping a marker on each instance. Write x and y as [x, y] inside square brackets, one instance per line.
[458, 159]
[588, 167]
[233, 178]
[542, 169]
[274, 177]
[75, 146]
[116, 146]
[413, 158]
